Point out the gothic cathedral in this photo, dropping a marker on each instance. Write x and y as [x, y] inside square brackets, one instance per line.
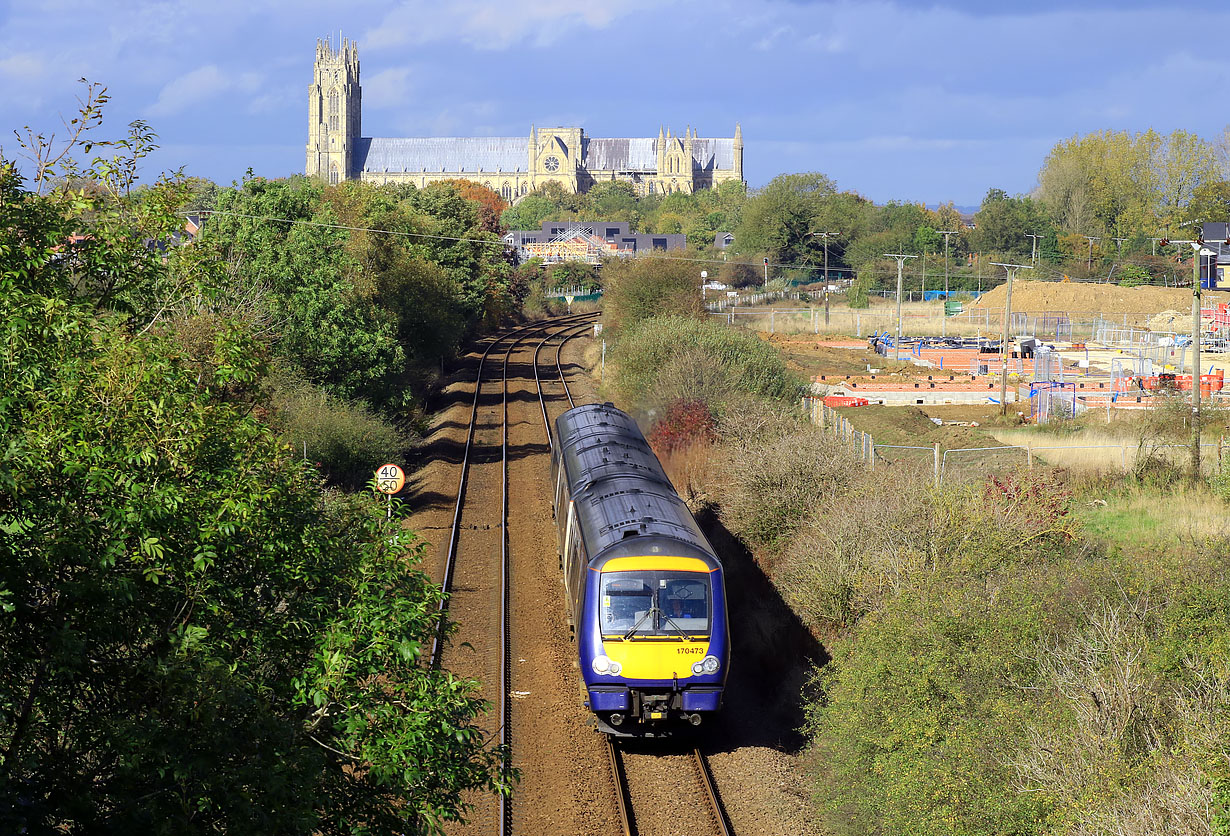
[512, 166]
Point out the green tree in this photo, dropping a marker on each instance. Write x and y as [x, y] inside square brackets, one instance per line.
[528, 213]
[1003, 224]
[778, 219]
[196, 638]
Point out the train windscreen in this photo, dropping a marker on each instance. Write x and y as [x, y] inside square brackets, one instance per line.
[654, 604]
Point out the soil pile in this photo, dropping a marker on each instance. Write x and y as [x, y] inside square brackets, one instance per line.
[1089, 297]
[1170, 321]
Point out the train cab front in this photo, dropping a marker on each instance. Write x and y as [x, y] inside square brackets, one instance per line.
[655, 650]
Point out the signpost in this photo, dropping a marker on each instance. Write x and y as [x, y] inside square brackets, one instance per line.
[569, 299]
[389, 480]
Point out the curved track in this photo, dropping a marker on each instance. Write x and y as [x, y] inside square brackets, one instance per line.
[489, 417]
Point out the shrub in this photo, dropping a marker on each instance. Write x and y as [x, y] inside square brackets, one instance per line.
[685, 423]
[347, 440]
[658, 361]
[1133, 275]
[775, 483]
[642, 288]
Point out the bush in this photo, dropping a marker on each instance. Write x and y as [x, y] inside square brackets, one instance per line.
[1133, 275]
[642, 288]
[347, 440]
[685, 423]
[775, 483]
[658, 361]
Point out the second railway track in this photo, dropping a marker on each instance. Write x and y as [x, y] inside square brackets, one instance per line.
[475, 573]
[503, 600]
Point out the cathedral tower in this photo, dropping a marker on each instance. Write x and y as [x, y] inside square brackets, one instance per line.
[334, 105]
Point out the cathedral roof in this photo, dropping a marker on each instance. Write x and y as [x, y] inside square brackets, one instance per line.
[506, 153]
[441, 153]
[716, 154]
[620, 154]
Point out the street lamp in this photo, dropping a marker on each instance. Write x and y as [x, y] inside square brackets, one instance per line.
[900, 263]
[1003, 379]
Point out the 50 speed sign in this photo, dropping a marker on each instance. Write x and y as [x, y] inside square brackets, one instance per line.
[390, 478]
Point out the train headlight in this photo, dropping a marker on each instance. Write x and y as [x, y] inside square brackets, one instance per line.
[602, 664]
[709, 664]
[615, 668]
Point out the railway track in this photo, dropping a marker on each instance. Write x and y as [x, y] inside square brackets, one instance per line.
[470, 548]
[475, 539]
[699, 767]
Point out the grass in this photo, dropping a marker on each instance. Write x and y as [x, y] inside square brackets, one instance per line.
[919, 319]
[1133, 516]
[1091, 451]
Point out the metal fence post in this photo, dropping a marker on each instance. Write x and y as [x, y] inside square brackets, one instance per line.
[871, 453]
[937, 464]
[1029, 456]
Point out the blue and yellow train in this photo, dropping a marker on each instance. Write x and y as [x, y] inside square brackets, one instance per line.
[645, 592]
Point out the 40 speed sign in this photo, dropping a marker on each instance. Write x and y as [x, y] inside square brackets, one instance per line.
[390, 478]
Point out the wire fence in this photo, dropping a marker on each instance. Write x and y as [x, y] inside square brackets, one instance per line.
[1125, 330]
[959, 464]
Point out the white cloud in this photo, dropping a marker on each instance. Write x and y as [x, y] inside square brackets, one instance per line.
[387, 88]
[200, 85]
[21, 66]
[189, 89]
[483, 24]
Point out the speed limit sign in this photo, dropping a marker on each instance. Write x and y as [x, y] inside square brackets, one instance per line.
[390, 478]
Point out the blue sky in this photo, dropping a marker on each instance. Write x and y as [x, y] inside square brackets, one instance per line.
[905, 100]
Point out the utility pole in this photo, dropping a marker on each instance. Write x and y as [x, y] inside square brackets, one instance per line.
[1155, 240]
[900, 263]
[1091, 238]
[1033, 257]
[1193, 475]
[826, 236]
[944, 321]
[1003, 379]
[1119, 243]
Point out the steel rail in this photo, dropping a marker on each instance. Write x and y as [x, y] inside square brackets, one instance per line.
[560, 369]
[711, 793]
[622, 798]
[450, 554]
[542, 401]
[504, 817]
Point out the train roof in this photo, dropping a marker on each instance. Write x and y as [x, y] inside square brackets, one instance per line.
[596, 441]
[623, 500]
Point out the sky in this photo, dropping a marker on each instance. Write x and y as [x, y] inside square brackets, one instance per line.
[916, 101]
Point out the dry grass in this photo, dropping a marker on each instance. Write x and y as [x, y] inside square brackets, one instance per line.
[1091, 451]
[918, 319]
[1140, 515]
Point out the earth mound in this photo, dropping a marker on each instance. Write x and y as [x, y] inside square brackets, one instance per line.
[1140, 304]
